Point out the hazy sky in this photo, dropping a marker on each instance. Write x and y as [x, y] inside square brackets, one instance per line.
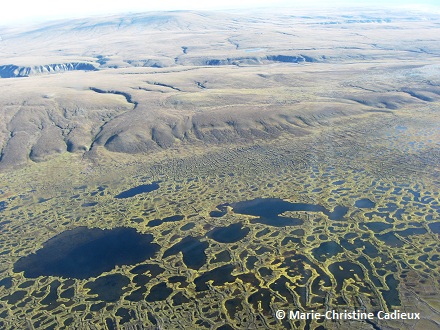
[22, 11]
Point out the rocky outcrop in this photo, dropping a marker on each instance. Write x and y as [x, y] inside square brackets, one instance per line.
[256, 60]
[249, 60]
[13, 71]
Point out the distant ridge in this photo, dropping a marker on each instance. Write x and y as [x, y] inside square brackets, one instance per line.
[142, 83]
[13, 71]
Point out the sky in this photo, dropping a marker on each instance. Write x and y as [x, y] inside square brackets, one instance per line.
[30, 11]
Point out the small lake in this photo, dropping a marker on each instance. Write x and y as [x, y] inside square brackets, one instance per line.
[435, 227]
[90, 204]
[219, 276]
[364, 203]
[378, 227]
[159, 292]
[269, 209]
[326, 250]
[141, 189]
[230, 234]
[391, 296]
[87, 252]
[158, 222]
[108, 288]
[193, 251]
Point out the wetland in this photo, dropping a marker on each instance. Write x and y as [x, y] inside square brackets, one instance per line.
[209, 183]
[240, 246]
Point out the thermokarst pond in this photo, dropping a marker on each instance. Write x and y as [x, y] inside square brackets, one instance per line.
[87, 252]
[268, 211]
[230, 234]
[141, 189]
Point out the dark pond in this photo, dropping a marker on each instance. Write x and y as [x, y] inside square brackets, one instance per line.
[390, 239]
[4, 223]
[193, 251]
[143, 188]
[157, 222]
[250, 262]
[280, 286]
[378, 226]
[261, 298]
[140, 280]
[338, 213]
[136, 295]
[51, 299]
[269, 209]
[263, 232]
[249, 278]
[369, 249]
[154, 223]
[68, 294]
[263, 250]
[225, 327]
[26, 284]
[188, 226]
[368, 267]
[223, 256]
[124, 314]
[383, 215]
[390, 207]
[97, 307]
[89, 204]
[391, 296]
[365, 203]
[15, 297]
[87, 252]
[415, 193]
[412, 231]
[299, 266]
[435, 227]
[179, 299]
[2, 206]
[178, 279]
[159, 292]
[338, 183]
[219, 276]
[343, 271]
[327, 250]
[233, 306]
[279, 221]
[151, 269]
[222, 210]
[264, 271]
[288, 239]
[108, 288]
[230, 234]
[173, 218]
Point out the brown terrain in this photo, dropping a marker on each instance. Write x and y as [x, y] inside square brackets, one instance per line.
[146, 82]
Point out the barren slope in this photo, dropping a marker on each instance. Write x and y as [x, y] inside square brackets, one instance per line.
[145, 82]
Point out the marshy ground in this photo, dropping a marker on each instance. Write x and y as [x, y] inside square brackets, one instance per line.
[303, 177]
[380, 253]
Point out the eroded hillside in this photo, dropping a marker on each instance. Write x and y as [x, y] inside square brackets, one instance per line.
[147, 82]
